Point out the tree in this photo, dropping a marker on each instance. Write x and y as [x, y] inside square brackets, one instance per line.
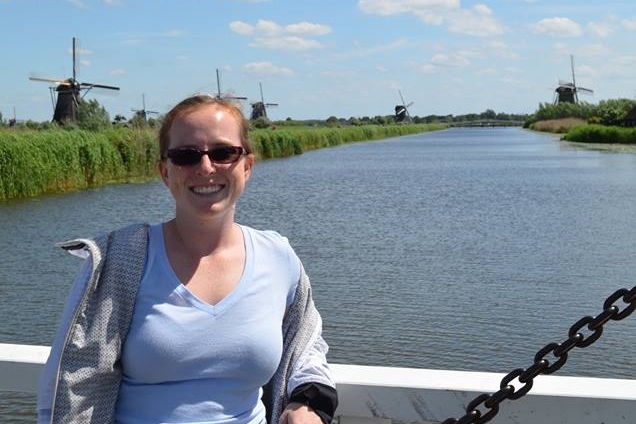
[332, 121]
[614, 111]
[92, 116]
[261, 122]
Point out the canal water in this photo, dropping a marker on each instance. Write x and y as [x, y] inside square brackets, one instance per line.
[464, 249]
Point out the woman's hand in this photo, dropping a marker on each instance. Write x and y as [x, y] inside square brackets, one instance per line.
[297, 413]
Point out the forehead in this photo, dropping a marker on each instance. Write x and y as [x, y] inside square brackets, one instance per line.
[206, 113]
[206, 120]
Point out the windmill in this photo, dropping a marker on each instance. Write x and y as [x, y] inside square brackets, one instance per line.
[68, 94]
[143, 113]
[224, 96]
[13, 120]
[401, 111]
[259, 109]
[567, 92]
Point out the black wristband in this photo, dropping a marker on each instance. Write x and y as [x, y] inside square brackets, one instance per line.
[321, 398]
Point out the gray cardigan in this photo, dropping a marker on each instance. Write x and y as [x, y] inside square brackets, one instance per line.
[89, 372]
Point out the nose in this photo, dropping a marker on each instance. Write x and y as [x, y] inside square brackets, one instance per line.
[206, 166]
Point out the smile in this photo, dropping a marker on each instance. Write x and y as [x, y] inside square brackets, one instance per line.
[206, 189]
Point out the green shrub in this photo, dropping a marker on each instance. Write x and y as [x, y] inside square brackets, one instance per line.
[601, 134]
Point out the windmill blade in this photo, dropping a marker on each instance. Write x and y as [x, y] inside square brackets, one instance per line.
[74, 63]
[271, 104]
[54, 80]
[409, 105]
[572, 66]
[90, 85]
[584, 90]
[401, 98]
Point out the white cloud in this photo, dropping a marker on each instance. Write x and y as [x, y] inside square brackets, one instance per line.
[116, 72]
[307, 28]
[558, 27]
[241, 28]
[396, 7]
[602, 29]
[78, 3]
[267, 68]
[270, 35]
[478, 21]
[289, 43]
[80, 51]
[629, 24]
[451, 60]
[398, 44]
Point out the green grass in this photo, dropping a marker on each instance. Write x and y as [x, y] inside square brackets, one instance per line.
[38, 162]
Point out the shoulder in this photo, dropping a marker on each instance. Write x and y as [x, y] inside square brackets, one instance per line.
[132, 237]
[273, 247]
[268, 238]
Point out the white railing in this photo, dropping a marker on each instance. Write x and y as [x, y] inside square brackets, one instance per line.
[383, 394]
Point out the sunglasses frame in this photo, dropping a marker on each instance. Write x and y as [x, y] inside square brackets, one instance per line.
[176, 155]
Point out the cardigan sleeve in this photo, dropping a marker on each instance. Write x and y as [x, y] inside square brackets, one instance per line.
[46, 384]
[304, 352]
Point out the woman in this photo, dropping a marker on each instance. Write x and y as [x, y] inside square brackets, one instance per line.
[193, 319]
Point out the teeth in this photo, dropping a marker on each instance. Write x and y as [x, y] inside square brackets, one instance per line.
[206, 189]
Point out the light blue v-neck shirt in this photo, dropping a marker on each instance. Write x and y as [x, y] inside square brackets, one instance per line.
[186, 361]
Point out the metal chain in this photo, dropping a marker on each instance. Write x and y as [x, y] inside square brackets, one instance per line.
[541, 365]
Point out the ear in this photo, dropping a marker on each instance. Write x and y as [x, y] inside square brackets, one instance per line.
[249, 163]
[163, 171]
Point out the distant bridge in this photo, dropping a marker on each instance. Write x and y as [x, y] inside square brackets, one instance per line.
[487, 123]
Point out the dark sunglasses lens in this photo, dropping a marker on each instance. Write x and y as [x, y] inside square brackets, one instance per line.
[225, 154]
[185, 157]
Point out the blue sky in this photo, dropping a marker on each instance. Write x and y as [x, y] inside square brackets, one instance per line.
[318, 58]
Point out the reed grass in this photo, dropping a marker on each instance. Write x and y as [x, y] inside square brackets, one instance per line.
[601, 134]
[39, 162]
[33, 163]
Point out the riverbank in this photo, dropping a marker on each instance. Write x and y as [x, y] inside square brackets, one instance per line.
[574, 130]
[34, 163]
[609, 147]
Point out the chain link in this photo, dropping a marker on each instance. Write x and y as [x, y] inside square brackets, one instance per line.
[541, 365]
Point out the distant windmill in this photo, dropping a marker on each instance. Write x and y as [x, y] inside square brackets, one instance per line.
[224, 96]
[259, 109]
[143, 113]
[13, 120]
[402, 111]
[68, 94]
[567, 92]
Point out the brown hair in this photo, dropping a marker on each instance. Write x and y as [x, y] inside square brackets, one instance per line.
[196, 101]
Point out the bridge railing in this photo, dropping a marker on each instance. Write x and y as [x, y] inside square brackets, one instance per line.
[380, 395]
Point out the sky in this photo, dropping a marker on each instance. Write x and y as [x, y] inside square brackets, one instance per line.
[318, 58]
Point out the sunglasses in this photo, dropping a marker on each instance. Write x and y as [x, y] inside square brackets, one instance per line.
[189, 156]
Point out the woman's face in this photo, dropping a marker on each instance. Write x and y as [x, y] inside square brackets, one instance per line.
[207, 189]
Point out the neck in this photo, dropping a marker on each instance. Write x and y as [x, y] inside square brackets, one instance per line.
[202, 238]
